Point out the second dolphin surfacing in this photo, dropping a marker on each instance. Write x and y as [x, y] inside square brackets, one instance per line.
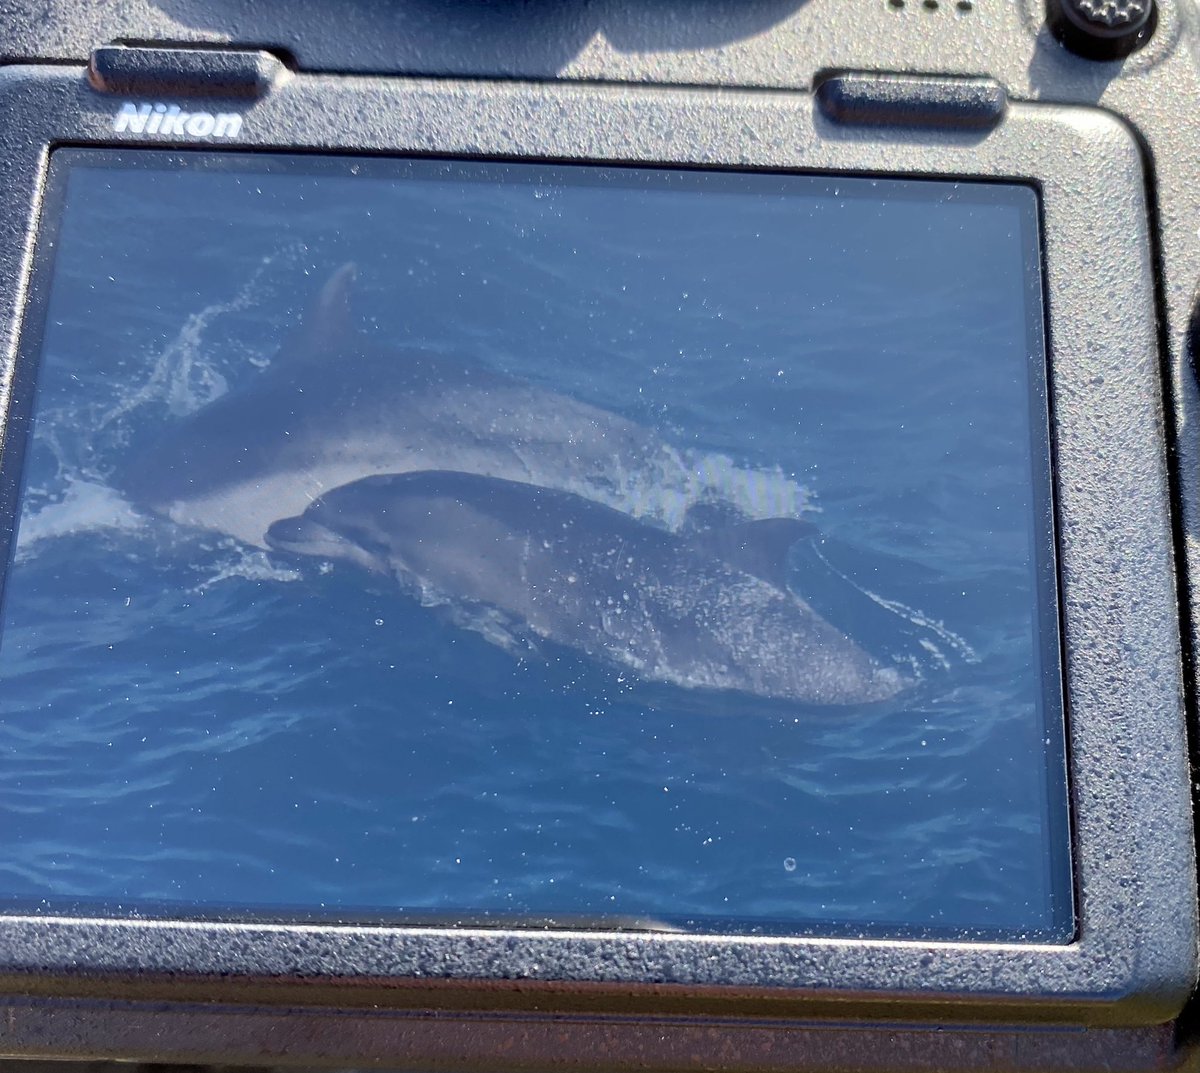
[519, 562]
[334, 406]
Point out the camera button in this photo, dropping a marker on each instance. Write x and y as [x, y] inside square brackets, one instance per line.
[132, 69]
[1102, 29]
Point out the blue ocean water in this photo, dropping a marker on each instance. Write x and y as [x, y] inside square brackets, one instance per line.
[189, 723]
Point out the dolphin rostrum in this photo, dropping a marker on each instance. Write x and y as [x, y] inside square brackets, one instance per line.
[518, 563]
[331, 409]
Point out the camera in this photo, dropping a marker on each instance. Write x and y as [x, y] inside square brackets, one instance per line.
[600, 535]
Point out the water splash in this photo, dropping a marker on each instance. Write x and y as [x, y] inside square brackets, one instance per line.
[185, 377]
[943, 646]
[83, 506]
[83, 438]
[237, 562]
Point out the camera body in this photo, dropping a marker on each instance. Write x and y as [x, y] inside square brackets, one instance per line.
[1099, 121]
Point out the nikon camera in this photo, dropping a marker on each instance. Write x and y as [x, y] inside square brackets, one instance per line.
[599, 535]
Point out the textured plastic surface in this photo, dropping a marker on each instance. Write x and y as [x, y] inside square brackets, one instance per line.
[775, 44]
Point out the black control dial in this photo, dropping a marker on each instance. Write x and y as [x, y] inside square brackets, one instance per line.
[1102, 29]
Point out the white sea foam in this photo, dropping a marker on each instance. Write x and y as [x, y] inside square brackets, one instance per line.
[665, 485]
[756, 493]
[238, 562]
[84, 506]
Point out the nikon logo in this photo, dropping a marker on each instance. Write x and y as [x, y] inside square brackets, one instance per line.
[171, 121]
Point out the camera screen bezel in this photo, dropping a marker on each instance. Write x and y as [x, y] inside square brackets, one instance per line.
[1133, 960]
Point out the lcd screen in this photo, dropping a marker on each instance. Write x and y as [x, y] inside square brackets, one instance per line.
[466, 541]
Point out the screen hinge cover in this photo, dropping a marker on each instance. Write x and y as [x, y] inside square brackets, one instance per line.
[898, 100]
[213, 72]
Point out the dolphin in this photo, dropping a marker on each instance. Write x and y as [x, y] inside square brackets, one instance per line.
[520, 563]
[332, 408]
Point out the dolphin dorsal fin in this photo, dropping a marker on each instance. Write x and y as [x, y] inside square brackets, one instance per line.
[759, 548]
[327, 322]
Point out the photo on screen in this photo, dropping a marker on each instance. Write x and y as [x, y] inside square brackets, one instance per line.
[498, 543]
